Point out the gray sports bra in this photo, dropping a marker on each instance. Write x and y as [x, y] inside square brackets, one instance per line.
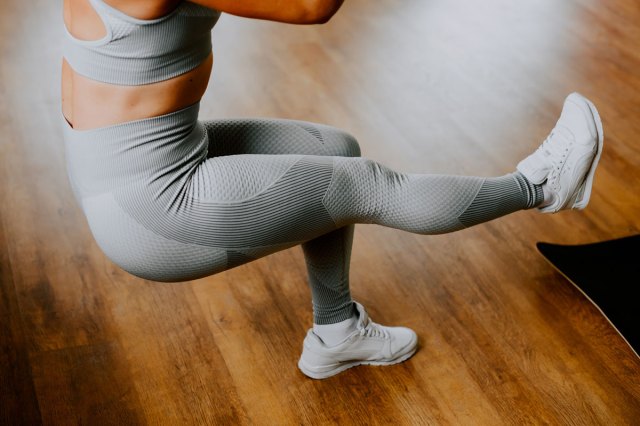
[136, 51]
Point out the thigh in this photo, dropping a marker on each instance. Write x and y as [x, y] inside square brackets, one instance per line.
[254, 205]
[231, 210]
[277, 136]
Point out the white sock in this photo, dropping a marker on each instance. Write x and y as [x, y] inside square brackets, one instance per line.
[332, 334]
[548, 195]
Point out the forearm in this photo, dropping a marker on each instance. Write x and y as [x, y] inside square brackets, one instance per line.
[288, 11]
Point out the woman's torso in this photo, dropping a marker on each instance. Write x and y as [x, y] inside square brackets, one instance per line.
[88, 103]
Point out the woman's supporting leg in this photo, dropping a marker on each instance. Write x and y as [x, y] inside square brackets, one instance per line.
[328, 256]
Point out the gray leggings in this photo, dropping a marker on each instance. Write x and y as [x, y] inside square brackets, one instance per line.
[172, 198]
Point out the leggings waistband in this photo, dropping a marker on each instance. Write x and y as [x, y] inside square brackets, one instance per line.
[158, 124]
[102, 159]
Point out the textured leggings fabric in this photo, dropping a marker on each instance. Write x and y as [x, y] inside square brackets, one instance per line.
[172, 198]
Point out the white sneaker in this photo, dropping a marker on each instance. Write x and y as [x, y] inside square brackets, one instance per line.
[371, 344]
[566, 161]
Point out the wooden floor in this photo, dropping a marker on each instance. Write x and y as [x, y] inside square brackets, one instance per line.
[438, 86]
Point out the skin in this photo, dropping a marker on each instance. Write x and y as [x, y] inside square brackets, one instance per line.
[119, 104]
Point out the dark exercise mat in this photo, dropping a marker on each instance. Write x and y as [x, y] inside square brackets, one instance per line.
[608, 273]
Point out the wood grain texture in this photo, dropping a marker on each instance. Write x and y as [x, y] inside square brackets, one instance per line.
[426, 86]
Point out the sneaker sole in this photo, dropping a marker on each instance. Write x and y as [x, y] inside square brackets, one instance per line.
[340, 367]
[584, 192]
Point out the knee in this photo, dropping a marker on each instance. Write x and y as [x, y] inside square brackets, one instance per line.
[350, 145]
[340, 143]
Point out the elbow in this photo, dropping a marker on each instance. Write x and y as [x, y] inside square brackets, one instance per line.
[320, 11]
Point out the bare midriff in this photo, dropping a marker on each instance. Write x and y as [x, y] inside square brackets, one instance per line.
[89, 104]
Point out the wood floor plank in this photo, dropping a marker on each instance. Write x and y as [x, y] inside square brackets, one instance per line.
[19, 403]
[177, 369]
[88, 384]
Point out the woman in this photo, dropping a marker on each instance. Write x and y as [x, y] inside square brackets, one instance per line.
[172, 198]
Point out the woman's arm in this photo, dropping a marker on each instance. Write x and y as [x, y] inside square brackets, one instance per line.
[288, 11]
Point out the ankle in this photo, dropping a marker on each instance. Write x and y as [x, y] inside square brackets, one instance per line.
[548, 197]
[534, 192]
[332, 334]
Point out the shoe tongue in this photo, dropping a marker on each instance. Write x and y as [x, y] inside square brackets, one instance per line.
[533, 169]
[565, 132]
[363, 318]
